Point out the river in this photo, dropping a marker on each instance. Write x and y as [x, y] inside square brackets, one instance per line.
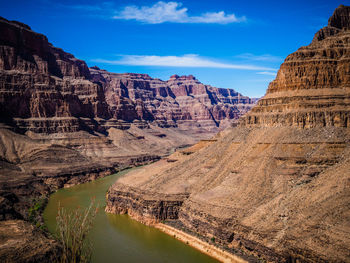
[118, 238]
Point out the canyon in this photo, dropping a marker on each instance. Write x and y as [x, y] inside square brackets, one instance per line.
[63, 123]
[276, 186]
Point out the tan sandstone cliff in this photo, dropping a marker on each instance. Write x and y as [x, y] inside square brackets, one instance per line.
[60, 118]
[62, 123]
[277, 186]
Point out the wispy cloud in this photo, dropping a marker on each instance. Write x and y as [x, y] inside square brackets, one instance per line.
[173, 12]
[188, 60]
[160, 12]
[269, 73]
[264, 57]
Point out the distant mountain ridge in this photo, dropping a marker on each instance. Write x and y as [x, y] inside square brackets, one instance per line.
[63, 123]
[276, 186]
[180, 101]
[46, 90]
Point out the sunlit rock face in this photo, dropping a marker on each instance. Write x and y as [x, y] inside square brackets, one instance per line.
[277, 185]
[312, 86]
[46, 90]
[182, 101]
[43, 88]
[63, 123]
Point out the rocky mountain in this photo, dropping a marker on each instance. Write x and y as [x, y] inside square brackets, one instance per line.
[63, 123]
[276, 186]
[54, 104]
[182, 101]
[46, 90]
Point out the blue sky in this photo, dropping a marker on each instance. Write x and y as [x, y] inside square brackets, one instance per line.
[228, 44]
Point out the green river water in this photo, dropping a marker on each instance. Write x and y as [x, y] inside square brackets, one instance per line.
[118, 238]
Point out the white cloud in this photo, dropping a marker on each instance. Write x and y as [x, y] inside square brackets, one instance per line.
[267, 73]
[188, 60]
[264, 57]
[162, 12]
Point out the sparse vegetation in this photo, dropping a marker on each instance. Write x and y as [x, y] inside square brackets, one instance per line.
[36, 210]
[72, 230]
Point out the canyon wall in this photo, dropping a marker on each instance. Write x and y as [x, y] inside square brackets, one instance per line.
[275, 187]
[311, 86]
[63, 123]
[53, 102]
[46, 90]
[182, 101]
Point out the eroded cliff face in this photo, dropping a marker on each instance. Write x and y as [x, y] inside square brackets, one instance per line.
[277, 186]
[63, 125]
[43, 88]
[181, 102]
[312, 86]
[46, 90]
[78, 119]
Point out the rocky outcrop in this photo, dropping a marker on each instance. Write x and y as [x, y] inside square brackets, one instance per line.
[152, 208]
[30, 244]
[277, 185]
[312, 86]
[63, 124]
[181, 102]
[46, 90]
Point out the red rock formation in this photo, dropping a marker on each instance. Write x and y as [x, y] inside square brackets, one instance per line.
[43, 88]
[179, 102]
[276, 186]
[312, 85]
[75, 127]
[46, 90]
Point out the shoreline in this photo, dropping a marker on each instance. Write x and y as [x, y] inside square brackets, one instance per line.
[37, 222]
[204, 247]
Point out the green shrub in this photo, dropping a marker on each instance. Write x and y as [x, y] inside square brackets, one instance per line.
[37, 208]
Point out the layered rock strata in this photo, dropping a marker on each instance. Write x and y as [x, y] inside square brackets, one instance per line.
[43, 88]
[277, 185]
[63, 108]
[28, 241]
[30, 171]
[182, 101]
[312, 86]
[46, 90]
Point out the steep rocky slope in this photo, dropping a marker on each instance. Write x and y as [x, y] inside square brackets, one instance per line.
[52, 104]
[28, 241]
[62, 124]
[181, 102]
[277, 186]
[46, 90]
[53, 99]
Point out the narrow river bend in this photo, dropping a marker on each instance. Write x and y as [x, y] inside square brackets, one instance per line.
[117, 238]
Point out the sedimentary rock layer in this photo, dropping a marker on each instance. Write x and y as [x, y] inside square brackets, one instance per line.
[29, 242]
[52, 104]
[46, 90]
[277, 185]
[182, 101]
[312, 87]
